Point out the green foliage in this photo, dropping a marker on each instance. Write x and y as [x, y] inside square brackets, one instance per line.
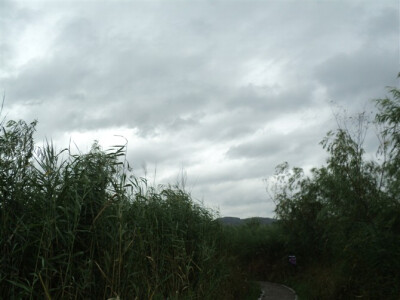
[80, 226]
[343, 219]
[389, 119]
[259, 249]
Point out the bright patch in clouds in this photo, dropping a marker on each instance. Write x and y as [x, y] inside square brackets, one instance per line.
[268, 74]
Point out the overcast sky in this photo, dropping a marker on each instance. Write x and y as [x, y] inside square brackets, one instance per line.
[224, 90]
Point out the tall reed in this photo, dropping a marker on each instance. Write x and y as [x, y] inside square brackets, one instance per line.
[82, 226]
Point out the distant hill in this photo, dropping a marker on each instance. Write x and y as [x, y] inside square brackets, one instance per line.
[238, 221]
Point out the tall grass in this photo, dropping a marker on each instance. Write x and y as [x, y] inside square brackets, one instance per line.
[81, 226]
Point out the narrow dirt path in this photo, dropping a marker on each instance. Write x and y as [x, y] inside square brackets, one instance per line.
[274, 291]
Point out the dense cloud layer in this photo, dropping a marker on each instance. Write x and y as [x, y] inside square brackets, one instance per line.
[225, 90]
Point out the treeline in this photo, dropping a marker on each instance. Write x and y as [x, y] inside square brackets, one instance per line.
[341, 220]
[79, 226]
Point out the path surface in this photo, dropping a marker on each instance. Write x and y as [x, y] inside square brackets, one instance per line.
[274, 291]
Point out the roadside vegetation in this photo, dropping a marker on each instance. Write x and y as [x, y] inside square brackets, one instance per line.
[81, 226]
[340, 220]
[343, 220]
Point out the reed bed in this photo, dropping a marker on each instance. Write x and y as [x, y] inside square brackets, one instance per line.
[81, 226]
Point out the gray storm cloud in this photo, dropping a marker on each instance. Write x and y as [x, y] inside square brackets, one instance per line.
[224, 89]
